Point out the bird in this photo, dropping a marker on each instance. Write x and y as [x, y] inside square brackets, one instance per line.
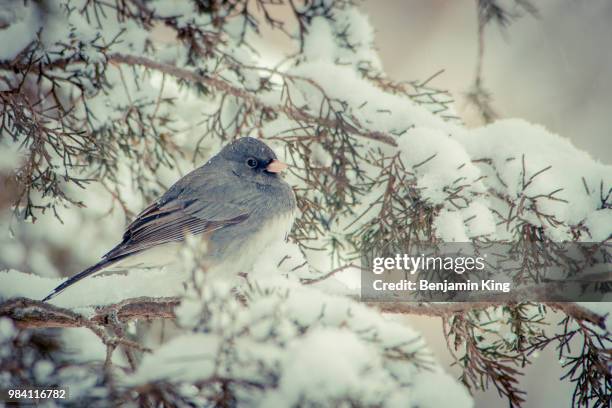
[237, 202]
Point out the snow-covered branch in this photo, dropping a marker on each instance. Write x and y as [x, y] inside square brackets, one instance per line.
[292, 112]
[103, 105]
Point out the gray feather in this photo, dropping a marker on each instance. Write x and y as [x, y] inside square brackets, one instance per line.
[224, 200]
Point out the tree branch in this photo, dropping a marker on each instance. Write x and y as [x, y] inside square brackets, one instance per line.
[28, 313]
[222, 86]
[573, 310]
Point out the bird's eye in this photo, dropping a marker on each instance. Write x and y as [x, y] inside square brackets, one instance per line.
[251, 162]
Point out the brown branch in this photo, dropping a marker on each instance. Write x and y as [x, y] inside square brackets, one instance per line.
[139, 308]
[447, 309]
[28, 313]
[222, 86]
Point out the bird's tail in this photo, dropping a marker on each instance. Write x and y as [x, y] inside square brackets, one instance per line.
[105, 263]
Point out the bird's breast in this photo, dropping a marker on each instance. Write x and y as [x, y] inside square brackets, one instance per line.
[239, 254]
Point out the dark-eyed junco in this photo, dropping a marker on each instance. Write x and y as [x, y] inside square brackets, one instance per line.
[237, 203]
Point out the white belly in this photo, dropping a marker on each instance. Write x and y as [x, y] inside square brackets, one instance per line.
[274, 232]
[169, 255]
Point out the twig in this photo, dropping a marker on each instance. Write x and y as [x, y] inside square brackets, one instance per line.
[222, 86]
[27, 313]
[328, 275]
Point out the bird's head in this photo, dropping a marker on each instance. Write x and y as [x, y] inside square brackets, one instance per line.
[252, 160]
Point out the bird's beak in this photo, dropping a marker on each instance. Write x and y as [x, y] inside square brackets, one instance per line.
[276, 166]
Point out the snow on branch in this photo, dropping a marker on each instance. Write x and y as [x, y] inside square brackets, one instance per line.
[292, 112]
[99, 115]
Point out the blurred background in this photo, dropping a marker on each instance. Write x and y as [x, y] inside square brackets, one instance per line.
[553, 69]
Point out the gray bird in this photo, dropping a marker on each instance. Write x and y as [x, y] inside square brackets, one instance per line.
[237, 202]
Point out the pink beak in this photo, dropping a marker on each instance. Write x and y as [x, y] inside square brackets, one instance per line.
[276, 166]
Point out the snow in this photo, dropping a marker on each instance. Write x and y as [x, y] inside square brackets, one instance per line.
[307, 344]
[360, 35]
[374, 108]
[287, 333]
[11, 155]
[319, 44]
[506, 142]
[22, 23]
[166, 8]
[187, 358]
[100, 290]
[438, 162]
[449, 226]
[12, 253]
[86, 347]
[436, 389]
[7, 329]
[478, 219]
[599, 225]
[42, 370]
[347, 374]
[322, 41]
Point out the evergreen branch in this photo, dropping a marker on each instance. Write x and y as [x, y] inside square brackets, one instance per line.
[292, 112]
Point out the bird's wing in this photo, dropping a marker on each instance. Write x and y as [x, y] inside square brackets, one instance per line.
[201, 202]
[170, 219]
[163, 223]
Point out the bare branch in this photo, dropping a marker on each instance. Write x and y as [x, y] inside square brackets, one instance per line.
[28, 313]
[447, 309]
